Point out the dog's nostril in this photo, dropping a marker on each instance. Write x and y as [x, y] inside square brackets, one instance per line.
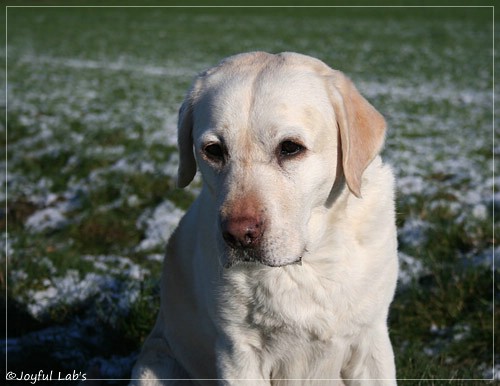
[229, 238]
[249, 238]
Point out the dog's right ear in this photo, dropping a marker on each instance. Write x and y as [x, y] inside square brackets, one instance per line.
[187, 163]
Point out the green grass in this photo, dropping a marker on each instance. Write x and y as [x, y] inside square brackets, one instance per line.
[92, 100]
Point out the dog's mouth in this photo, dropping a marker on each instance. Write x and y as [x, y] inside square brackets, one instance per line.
[253, 257]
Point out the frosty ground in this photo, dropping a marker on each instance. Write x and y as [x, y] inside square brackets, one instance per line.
[92, 160]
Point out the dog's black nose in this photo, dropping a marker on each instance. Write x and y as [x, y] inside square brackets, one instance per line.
[242, 232]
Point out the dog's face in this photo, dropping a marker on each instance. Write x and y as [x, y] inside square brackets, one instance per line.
[272, 134]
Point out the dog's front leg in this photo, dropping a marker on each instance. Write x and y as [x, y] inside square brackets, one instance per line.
[371, 361]
[239, 364]
[156, 366]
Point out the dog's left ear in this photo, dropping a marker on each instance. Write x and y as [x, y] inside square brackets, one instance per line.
[362, 129]
[187, 162]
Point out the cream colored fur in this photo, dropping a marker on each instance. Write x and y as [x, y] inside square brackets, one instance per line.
[311, 307]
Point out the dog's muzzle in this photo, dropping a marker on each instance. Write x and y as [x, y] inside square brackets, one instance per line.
[244, 239]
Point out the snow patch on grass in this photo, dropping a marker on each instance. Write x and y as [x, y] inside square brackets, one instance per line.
[159, 224]
[46, 219]
[63, 291]
[113, 283]
[117, 66]
[414, 232]
[410, 269]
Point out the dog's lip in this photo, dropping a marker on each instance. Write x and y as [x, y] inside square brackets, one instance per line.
[231, 263]
[297, 261]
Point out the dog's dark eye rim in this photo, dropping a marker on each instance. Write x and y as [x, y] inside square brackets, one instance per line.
[214, 151]
[289, 148]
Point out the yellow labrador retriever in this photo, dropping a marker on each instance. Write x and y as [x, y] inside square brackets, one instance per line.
[283, 269]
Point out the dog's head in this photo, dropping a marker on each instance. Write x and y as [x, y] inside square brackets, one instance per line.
[272, 135]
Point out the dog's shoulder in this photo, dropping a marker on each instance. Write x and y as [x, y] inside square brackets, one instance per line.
[374, 211]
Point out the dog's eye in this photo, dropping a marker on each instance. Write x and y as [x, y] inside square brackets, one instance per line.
[214, 152]
[290, 148]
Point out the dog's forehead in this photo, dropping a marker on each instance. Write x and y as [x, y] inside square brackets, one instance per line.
[262, 95]
[265, 82]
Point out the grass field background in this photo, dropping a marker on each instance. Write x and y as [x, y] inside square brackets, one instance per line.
[90, 107]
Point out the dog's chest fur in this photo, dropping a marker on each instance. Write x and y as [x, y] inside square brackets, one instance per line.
[292, 313]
